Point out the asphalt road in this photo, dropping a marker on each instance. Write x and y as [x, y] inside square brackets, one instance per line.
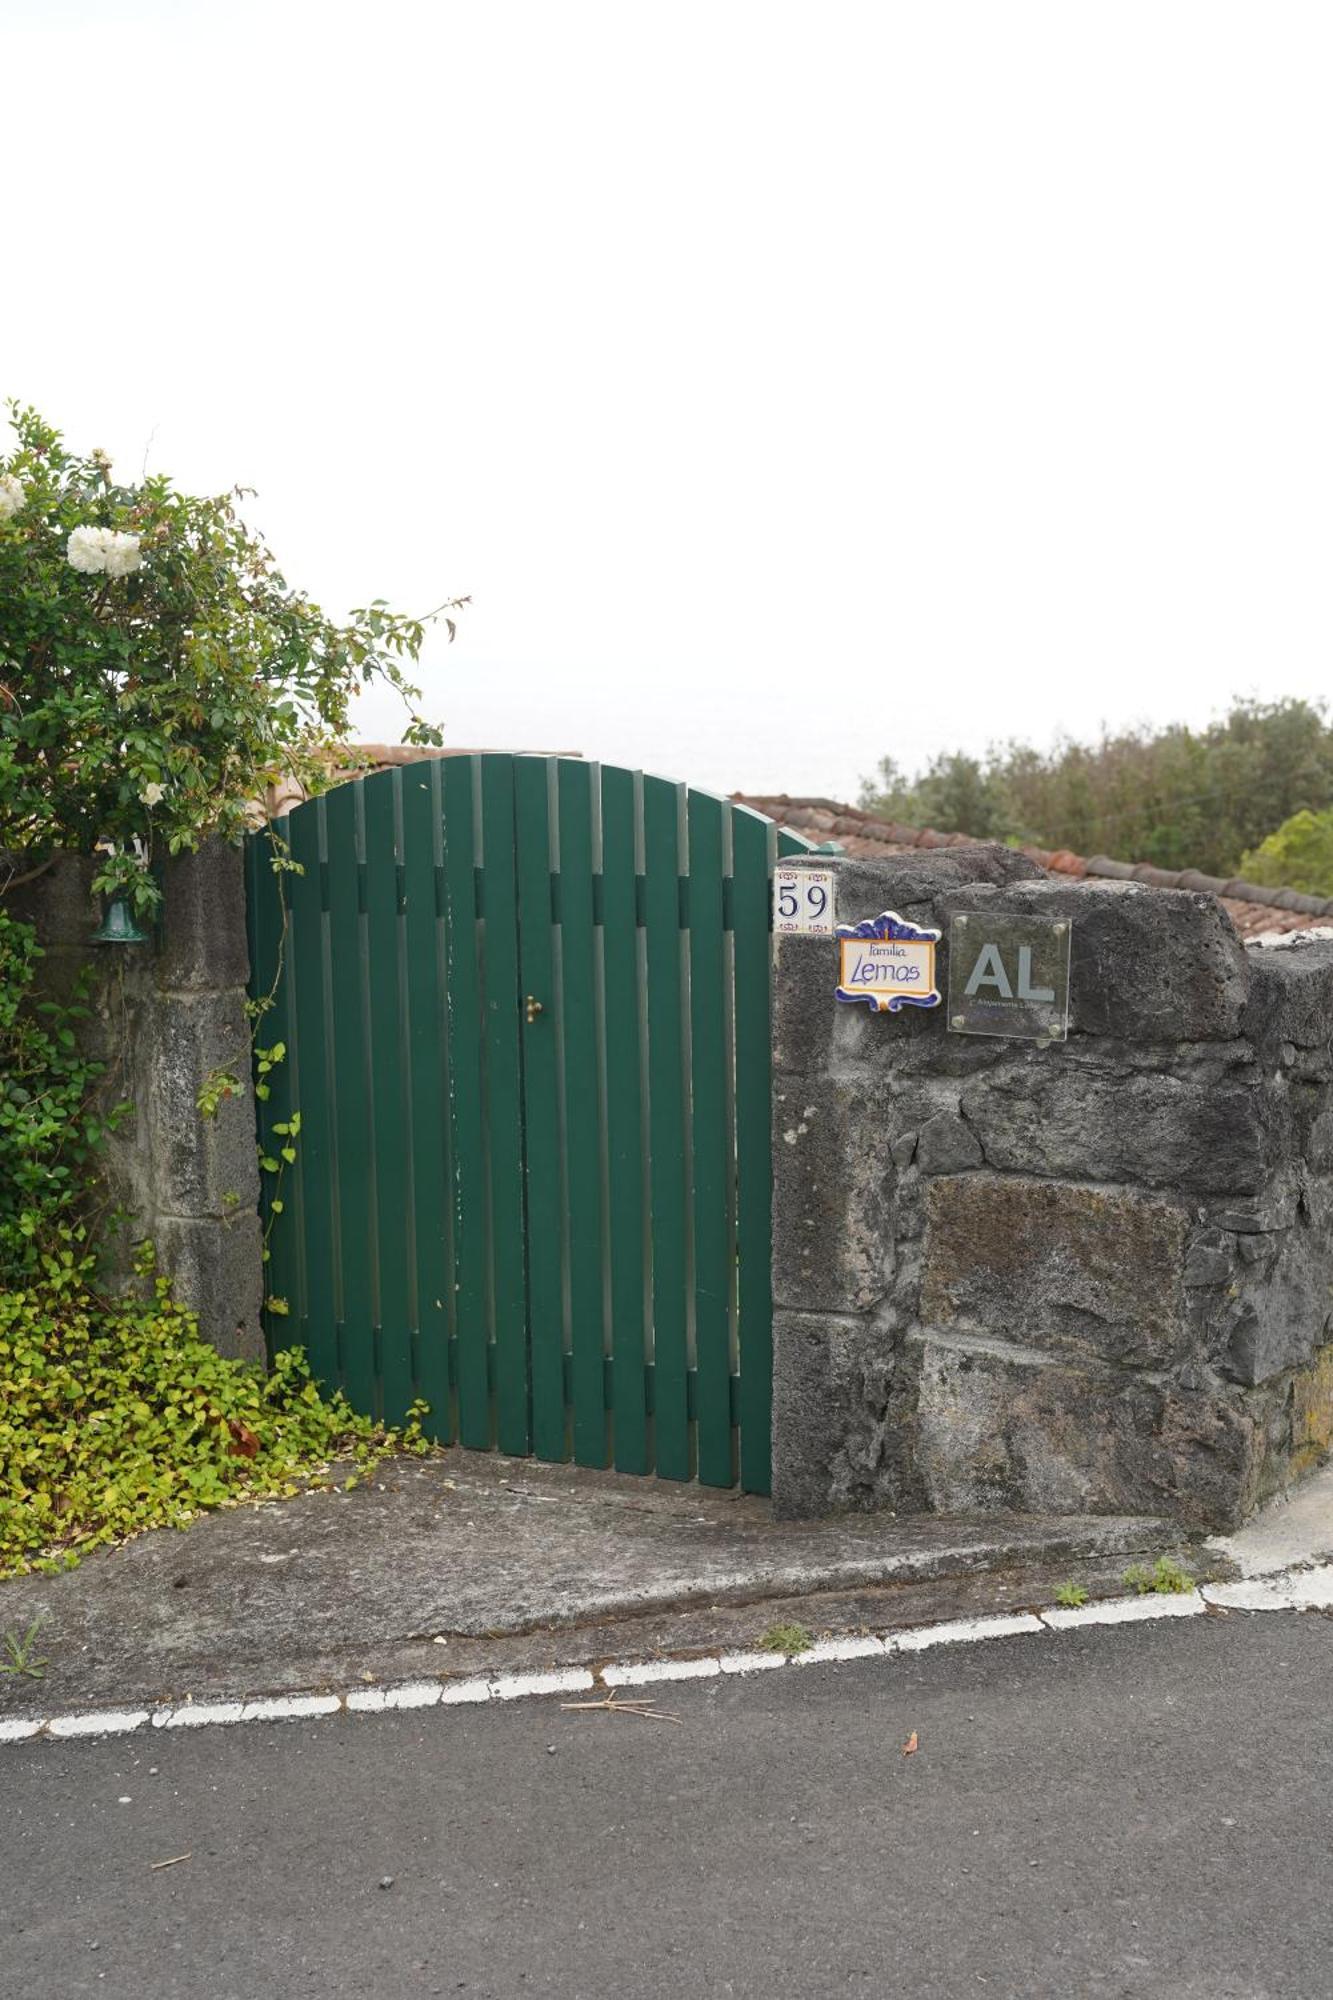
[1142, 1811]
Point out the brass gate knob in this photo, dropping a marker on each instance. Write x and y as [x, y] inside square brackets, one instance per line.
[533, 1009]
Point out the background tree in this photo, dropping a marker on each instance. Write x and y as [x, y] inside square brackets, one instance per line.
[1299, 855]
[1175, 796]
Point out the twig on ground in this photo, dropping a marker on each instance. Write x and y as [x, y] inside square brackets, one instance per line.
[642, 1705]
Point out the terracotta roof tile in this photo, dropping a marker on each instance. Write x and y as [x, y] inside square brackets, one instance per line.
[1253, 909]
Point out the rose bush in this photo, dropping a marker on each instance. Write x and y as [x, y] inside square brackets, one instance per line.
[156, 669]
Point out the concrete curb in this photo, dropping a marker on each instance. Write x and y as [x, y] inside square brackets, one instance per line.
[1296, 1589]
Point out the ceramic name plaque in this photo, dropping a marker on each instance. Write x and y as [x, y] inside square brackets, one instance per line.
[887, 964]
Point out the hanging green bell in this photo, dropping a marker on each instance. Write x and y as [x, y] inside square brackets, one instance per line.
[118, 925]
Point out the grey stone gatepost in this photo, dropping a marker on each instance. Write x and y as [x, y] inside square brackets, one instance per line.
[165, 1015]
[1090, 1276]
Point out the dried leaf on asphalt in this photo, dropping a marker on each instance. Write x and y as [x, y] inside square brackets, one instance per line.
[909, 1748]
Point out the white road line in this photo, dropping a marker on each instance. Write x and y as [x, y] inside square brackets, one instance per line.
[1125, 1610]
[1291, 1590]
[750, 1663]
[452, 1693]
[411, 1694]
[100, 1722]
[291, 1707]
[645, 1673]
[964, 1631]
[861, 1647]
[1312, 1589]
[198, 1714]
[564, 1680]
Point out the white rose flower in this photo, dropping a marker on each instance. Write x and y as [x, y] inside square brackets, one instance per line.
[153, 795]
[95, 549]
[122, 554]
[86, 549]
[11, 496]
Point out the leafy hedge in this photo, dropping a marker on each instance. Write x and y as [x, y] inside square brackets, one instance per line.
[117, 1416]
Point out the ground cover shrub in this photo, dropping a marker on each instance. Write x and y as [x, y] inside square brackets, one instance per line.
[117, 1416]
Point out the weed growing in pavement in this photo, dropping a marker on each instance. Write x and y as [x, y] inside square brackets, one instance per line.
[1165, 1577]
[21, 1656]
[786, 1639]
[1070, 1595]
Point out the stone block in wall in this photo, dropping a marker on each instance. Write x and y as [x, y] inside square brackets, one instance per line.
[1278, 1310]
[1290, 996]
[834, 1438]
[216, 1269]
[203, 934]
[201, 1166]
[1097, 1270]
[998, 1426]
[1147, 965]
[946, 1144]
[1198, 1133]
[913, 883]
[832, 1227]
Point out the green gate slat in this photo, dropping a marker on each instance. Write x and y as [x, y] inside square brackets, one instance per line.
[307, 957]
[541, 1106]
[427, 1067]
[391, 1121]
[751, 869]
[466, 1043]
[666, 1128]
[582, 1109]
[347, 989]
[710, 1142]
[624, 1114]
[504, 1101]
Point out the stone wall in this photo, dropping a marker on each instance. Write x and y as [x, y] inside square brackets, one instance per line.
[164, 1015]
[1088, 1277]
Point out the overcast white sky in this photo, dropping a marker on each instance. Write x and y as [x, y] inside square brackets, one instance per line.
[788, 383]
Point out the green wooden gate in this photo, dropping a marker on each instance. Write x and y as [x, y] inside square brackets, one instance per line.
[525, 1008]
